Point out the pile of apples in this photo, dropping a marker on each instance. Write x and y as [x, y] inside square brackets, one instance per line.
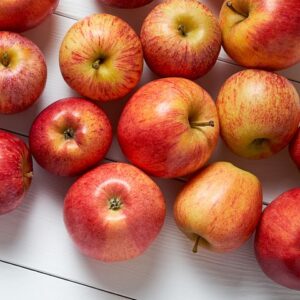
[169, 128]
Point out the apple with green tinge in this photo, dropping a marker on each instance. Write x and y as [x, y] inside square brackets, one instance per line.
[262, 33]
[259, 113]
[169, 127]
[219, 207]
[70, 136]
[277, 240]
[21, 15]
[126, 3]
[101, 57]
[181, 38]
[15, 171]
[114, 212]
[23, 72]
[294, 148]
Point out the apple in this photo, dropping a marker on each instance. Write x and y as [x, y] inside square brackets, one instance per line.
[169, 127]
[219, 207]
[262, 34]
[181, 38]
[114, 212]
[259, 113]
[21, 15]
[23, 72]
[126, 3]
[294, 148]
[15, 171]
[101, 57]
[277, 240]
[70, 136]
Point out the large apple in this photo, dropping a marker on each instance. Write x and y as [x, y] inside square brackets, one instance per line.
[114, 212]
[20, 15]
[294, 148]
[169, 127]
[262, 33]
[181, 38]
[101, 57]
[23, 72]
[259, 113]
[220, 207]
[277, 240]
[70, 136]
[126, 3]
[15, 171]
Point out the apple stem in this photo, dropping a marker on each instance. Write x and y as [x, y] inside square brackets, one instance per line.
[69, 134]
[96, 64]
[210, 123]
[29, 175]
[5, 59]
[181, 29]
[195, 248]
[229, 5]
[115, 203]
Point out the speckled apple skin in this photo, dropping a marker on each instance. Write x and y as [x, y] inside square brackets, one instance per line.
[126, 3]
[294, 148]
[109, 235]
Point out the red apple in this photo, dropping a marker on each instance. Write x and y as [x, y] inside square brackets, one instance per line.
[126, 3]
[181, 38]
[277, 240]
[169, 127]
[20, 15]
[15, 171]
[294, 148]
[70, 136]
[23, 72]
[101, 57]
[114, 212]
[262, 33]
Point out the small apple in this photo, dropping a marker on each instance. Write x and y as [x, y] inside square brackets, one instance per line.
[101, 57]
[262, 33]
[21, 15]
[126, 3]
[15, 171]
[114, 212]
[169, 127]
[181, 38]
[294, 148]
[259, 113]
[220, 207]
[23, 72]
[70, 136]
[277, 240]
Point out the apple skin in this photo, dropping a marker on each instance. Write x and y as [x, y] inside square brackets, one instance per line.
[109, 230]
[70, 136]
[219, 207]
[259, 113]
[23, 73]
[277, 240]
[126, 3]
[157, 129]
[101, 57]
[15, 171]
[268, 39]
[189, 52]
[294, 148]
[21, 15]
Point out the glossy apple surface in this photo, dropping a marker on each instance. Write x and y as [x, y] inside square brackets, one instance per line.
[114, 212]
[126, 3]
[15, 171]
[294, 148]
[21, 15]
[259, 113]
[70, 136]
[219, 207]
[262, 33]
[101, 57]
[277, 240]
[169, 127]
[181, 38]
[23, 73]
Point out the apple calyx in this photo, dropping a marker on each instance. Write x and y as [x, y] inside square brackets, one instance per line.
[230, 5]
[69, 134]
[115, 203]
[210, 123]
[182, 30]
[97, 63]
[5, 59]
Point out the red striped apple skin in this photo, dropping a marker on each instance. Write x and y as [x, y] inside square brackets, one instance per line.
[126, 3]
[15, 171]
[21, 15]
[294, 148]
[114, 235]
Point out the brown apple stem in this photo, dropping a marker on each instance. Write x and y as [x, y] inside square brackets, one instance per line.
[229, 5]
[210, 123]
[97, 63]
[195, 248]
[29, 175]
[181, 29]
[5, 59]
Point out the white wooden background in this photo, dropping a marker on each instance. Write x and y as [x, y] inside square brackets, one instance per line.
[38, 259]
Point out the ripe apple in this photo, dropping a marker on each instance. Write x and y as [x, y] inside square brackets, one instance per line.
[114, 212]
[277, 240]
[15, 171]
[23, 72]
[169, 127]
[294, 148]
[262, 34]
[70, 136]
[181, 38]
[101, 57]
[20, 15]
[126, 3]
[259, 113]
[220, 207]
